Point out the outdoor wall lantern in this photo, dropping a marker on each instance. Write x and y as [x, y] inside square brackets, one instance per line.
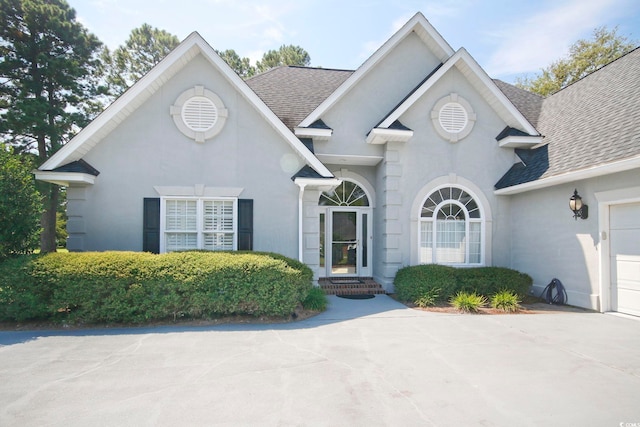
[579, 209]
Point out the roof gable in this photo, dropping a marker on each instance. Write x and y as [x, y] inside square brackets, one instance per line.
[142, 90]
[419, 25]
[479, 79]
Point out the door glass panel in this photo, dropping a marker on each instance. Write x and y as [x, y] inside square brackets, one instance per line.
[365, 240]
[322, 240]
[344, 246]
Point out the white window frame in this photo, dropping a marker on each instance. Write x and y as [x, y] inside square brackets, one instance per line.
[434, 232]
[199, 220]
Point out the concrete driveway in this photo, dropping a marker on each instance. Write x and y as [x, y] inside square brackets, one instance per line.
[362, 363]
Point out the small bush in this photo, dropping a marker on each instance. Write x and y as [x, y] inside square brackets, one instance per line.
[506, 301]
[415, 282]
[316, 300]
[424, 281]
[428, 299]
[468, 302]
[134, 287]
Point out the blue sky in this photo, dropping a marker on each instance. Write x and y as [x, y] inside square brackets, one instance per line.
[507, 37]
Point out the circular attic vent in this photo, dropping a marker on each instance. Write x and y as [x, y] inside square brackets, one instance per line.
[199, 113]
[453, 118]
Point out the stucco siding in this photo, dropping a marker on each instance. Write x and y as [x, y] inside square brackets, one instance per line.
[548, 242]
[147, 150]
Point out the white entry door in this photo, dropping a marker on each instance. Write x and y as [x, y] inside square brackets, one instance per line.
[346, 242]
[624, 230]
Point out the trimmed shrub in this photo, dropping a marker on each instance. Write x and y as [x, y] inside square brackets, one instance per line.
[424, 281]
[468, 302]
[412, 283]
[134, 287]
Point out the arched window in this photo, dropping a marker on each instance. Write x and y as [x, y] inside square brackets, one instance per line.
[451, 228]
[346, 194]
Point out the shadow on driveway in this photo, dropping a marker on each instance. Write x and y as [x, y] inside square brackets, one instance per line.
[339, 310]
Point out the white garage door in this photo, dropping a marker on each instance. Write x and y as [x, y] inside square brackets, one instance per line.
[624, 230]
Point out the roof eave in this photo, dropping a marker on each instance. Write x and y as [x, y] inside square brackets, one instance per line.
[65, 179]
[315, 133]
[520, 141]
[592, 172]
[382, 136]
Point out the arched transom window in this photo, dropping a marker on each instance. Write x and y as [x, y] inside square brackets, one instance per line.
[451, 228]
[346, 194]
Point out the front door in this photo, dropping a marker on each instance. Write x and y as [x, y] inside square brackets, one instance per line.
[346, 240]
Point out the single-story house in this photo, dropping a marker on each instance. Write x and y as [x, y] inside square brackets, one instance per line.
[418, 156]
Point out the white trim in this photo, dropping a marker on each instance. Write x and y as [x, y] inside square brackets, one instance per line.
[65, 178]
[515, 141]
[361, 182]
[199, 219]
[605, 200]
[477, 76]
[198, 190]
[315, 133]
[322, 184]
[383, 135]
[351, 160]
[592, 172]
[474, 191]
[122, 107]
[418, 24]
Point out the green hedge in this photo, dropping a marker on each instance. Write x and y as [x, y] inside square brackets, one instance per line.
[134, 287]
[414, 282]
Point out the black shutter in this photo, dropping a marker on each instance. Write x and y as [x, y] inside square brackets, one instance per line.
[151, 226]
[245, 224]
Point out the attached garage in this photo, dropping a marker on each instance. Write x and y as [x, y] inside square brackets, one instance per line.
[624, 241]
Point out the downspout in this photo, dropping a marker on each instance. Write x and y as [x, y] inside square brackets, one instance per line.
[300, 220]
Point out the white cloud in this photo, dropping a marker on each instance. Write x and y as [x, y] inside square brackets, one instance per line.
[535, 42]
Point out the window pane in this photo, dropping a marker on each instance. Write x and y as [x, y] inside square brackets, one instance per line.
[346, 194]
[218, 215]
[322, 242]
[475, 246]
[426, 242]
[365, 240]
[450, 242]
[181, 215]
[218, 241]
[181, 241]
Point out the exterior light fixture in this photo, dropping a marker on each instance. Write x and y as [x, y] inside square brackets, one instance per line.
[579, 209]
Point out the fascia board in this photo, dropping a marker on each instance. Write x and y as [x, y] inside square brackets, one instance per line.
[382, 136]
[593, 172]
[520, 141]
[313, 133]
[418, 21]
[319, 183]
[65, 178]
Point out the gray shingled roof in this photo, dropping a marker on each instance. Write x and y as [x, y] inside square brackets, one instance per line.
[292, 93]
[592, 122]
[529, 104]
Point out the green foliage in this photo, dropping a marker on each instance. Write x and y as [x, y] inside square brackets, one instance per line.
[506, 300]
[427, 299]
[242, 66]
[412, 283]
[468, 302]
[145, 47]
[316, 300]
[20, 204]
[285, 55]
[131, 287]
[49, 82]
[585, 57]
[440, 283]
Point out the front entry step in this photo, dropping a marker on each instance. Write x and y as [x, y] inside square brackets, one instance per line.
[350, 286]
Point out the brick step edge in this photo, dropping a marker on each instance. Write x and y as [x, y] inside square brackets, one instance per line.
[352, 289]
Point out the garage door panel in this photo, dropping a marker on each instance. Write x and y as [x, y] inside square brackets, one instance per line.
[624, 216]
[624, 245]
[625, 242]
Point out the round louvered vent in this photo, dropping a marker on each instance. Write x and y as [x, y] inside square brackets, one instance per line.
[199, 114]
[453, 117]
